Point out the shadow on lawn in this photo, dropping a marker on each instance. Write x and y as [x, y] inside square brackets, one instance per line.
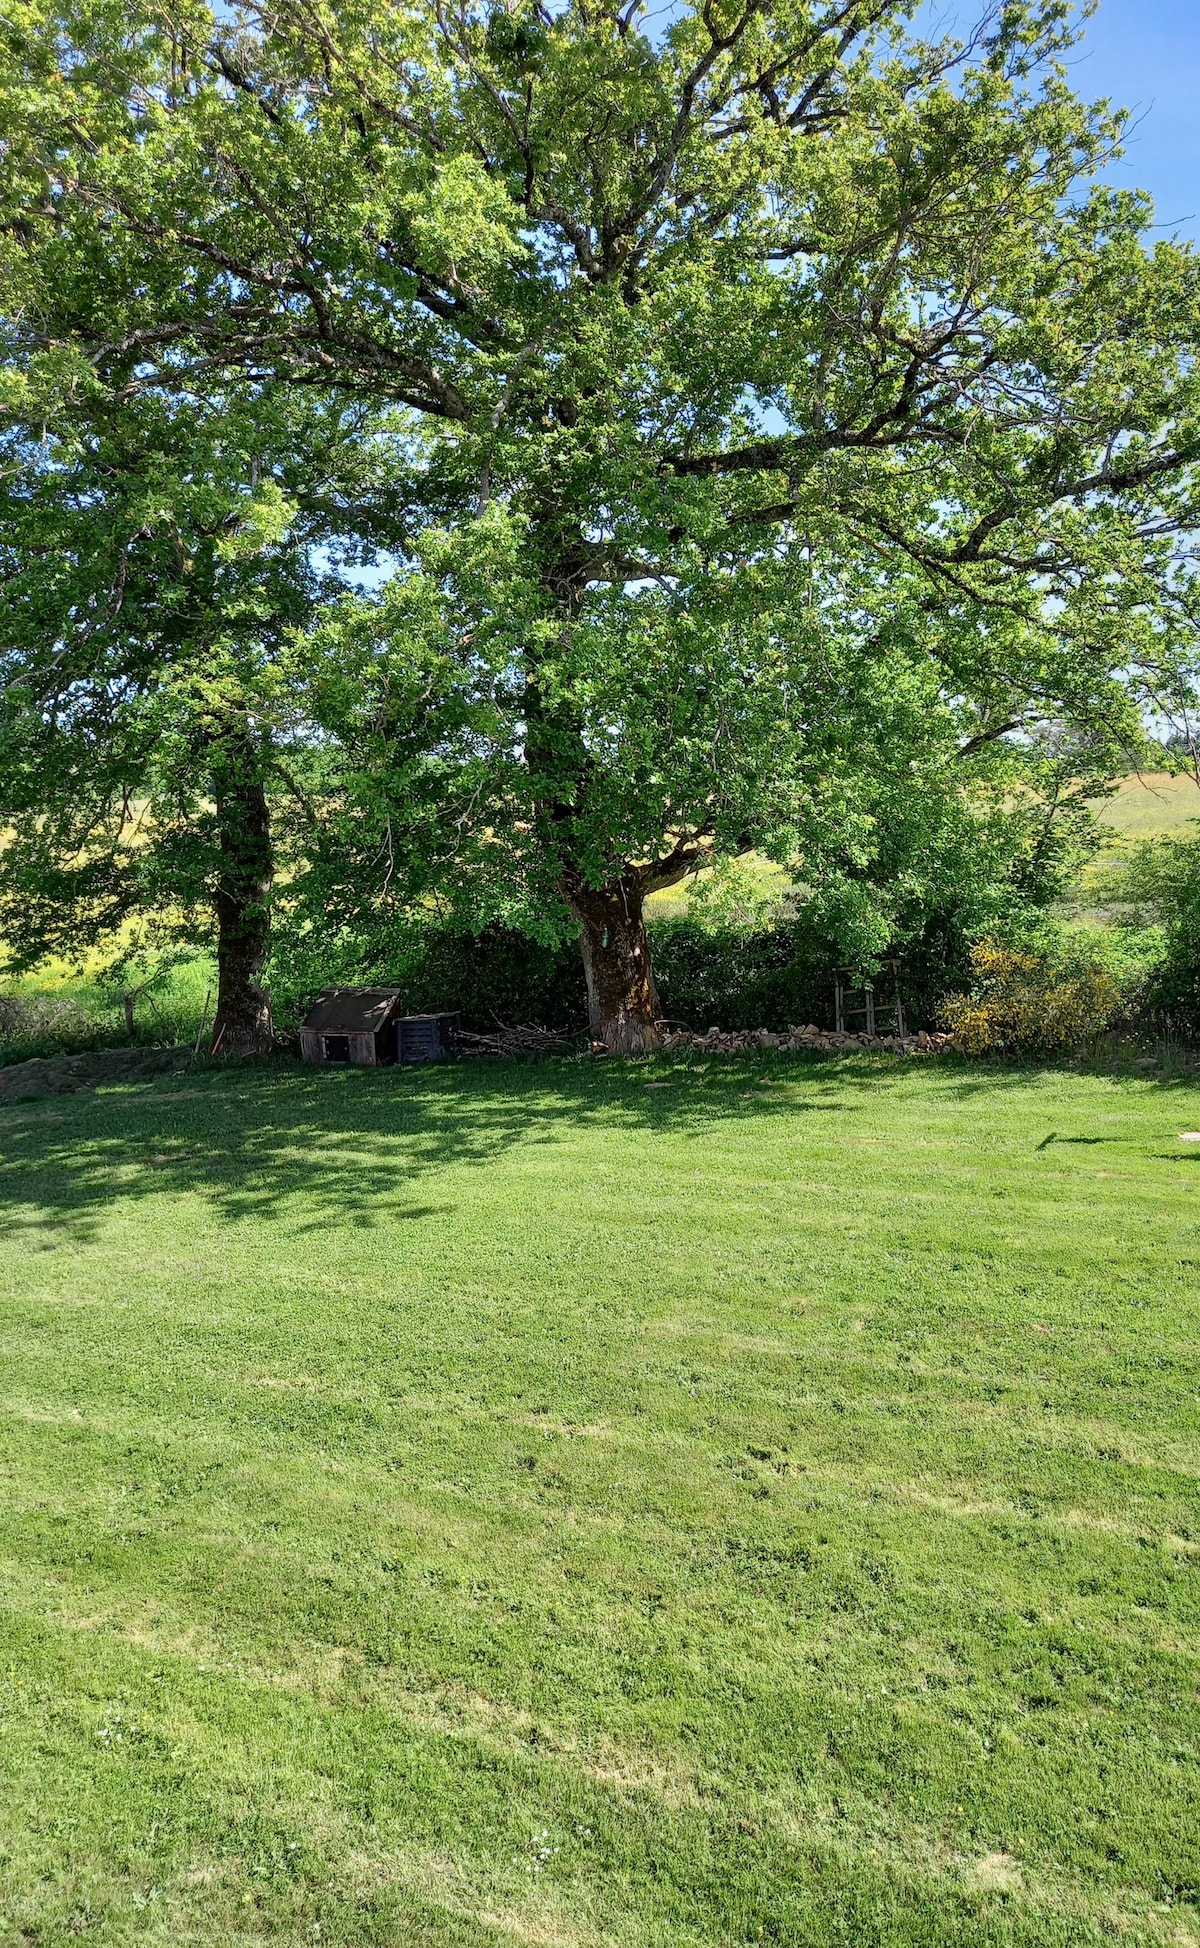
[357, 1144]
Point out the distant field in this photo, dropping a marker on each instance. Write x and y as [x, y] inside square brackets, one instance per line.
[632, 1506]
[1141, 808]
[1155, 802]
[745, 884]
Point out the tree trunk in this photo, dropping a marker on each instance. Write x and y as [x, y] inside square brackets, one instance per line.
[623, 1006]
[622, 1001]
[243, 1020]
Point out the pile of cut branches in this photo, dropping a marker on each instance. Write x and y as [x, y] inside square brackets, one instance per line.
[514, 1039]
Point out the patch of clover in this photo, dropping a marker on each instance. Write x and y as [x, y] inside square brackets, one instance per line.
[539, 1853]
[117, 1731]
[540, 1850]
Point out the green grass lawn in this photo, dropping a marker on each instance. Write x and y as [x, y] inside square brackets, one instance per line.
[578, 1505]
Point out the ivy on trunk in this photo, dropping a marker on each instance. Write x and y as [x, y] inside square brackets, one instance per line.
[623, 1007]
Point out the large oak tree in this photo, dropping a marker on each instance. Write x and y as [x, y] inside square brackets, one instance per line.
[740, 359]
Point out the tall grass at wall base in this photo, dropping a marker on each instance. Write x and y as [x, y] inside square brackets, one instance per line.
[60, 1010]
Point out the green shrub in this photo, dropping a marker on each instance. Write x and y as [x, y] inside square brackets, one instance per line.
[732, 978]
[762, 978]
[496, 975]
[1175, 995]
[1165, 873]
[777, 969]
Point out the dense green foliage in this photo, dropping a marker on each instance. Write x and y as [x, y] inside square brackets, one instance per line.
[156, 562]
[508, 1505]
[746, 951]
[761, 977]
[498, 974]
[783, 415]
[1163, 877]
[940, 875]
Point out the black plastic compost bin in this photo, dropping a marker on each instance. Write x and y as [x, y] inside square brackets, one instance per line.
[426, 1038]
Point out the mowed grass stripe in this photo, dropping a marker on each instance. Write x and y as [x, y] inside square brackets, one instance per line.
[512, 1504]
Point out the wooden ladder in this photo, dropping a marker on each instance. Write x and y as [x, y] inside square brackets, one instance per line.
[855, 1000]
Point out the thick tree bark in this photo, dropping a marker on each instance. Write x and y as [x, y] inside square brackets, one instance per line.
[623, 1005]
[243, 1023]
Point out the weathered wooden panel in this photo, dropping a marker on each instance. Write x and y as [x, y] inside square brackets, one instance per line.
[354, 1025]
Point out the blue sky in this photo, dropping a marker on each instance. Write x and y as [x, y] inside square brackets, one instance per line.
[1143, 55]
[1146, 55]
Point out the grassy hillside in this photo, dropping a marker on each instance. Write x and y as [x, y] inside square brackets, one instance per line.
[587, 1506]
[1156, 802]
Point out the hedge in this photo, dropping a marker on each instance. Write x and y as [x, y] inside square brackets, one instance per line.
[730, 978]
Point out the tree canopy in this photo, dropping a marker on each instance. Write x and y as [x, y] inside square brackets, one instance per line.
[787, 416]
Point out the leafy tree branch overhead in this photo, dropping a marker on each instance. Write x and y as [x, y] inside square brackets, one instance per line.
[757, 378]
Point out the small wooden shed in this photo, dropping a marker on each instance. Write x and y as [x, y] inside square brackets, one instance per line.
[352, 1025]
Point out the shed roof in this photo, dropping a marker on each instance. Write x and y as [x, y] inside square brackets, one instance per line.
[352, 1011]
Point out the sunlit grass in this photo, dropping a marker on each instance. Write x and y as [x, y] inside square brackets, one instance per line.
[1143, 807]
[70, 1005]
[585, 1505]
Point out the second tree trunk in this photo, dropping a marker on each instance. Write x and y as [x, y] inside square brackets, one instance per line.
[243, 1023]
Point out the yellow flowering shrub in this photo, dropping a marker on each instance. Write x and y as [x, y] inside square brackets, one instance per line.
[1024, 1002]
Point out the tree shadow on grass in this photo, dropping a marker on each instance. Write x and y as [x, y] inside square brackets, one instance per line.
[325, 1149]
